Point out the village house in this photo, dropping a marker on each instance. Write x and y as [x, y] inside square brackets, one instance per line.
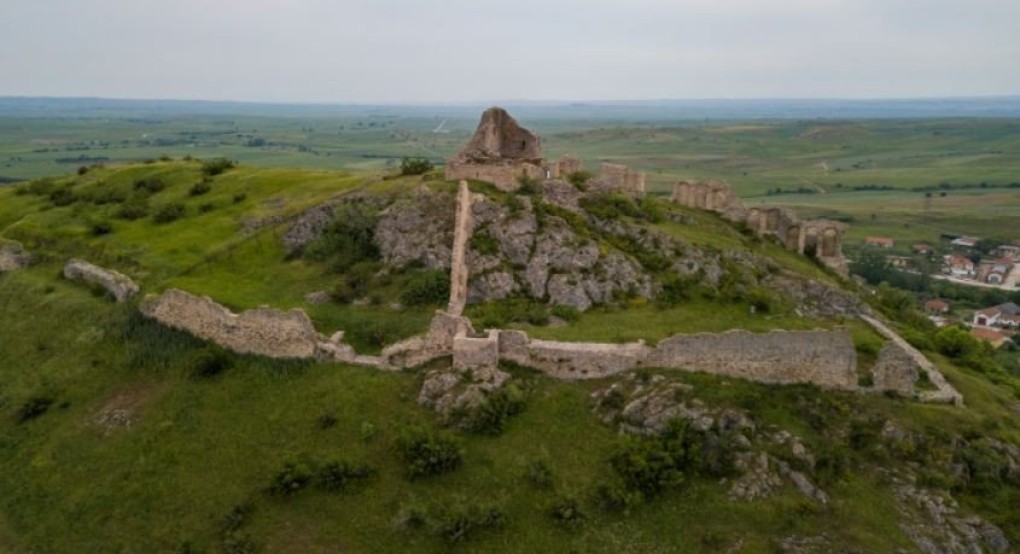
[936, 306]
[999, 271]
[922, 248]
[1003, 315]
[958, 266]
[1009, 252]
[879, 242]
[991, 336]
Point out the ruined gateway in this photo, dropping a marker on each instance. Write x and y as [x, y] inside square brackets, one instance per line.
[505, 154]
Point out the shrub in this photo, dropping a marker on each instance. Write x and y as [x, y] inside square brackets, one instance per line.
[415, 166]
[429, 287]
[135, 208]
[150, 186]
[566, 313]
[427, 453]
[527, 185]
[348, 239]
[567, 512]
[462, 523]
[340, 476]
[200, 188]
[491, 415]
[211, 168]
[326, 421]
[63, 197]
[82, 170]
[955, 342]
[206, 208]
[539, 474]
[33, 408]
[484, 243]
[209, 362]
[289, 480]
[579, 179]
[240, 197]
[101, 228]
[169, 213]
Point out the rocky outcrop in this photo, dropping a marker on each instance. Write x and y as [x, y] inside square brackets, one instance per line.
[817, 299]
[455, 394]
[120, 286]
[934, 523]
[417, 231]
[262, 331]
[13, 257]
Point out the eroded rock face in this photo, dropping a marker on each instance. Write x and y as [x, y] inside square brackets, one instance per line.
[455, 394]
[13, 257]
[418, 230]
[934, 523]
[500, 137]
[117, 284]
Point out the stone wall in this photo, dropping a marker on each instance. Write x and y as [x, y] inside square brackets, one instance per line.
[119, 285]
[458, 264]
[476, 353]
[825, 358]
[896, 363]
[436, 343]
[567, 165]
[505, 174]
[262, 331]
[820, 238]
[619, 178]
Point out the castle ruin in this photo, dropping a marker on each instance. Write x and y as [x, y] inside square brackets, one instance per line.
[821, 239]
[503, 153]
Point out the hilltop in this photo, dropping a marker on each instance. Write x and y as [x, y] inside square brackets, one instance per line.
[150, 439]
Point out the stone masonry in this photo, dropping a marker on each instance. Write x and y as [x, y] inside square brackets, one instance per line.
[619, 178]
[500, 152]
[263, 331]
[820, 238]
[458, 263]
[117, 284]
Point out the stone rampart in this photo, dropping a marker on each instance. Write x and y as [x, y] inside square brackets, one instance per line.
[262, 331]
[436, 343]
[505, 175]
[117, 284]
[458, 264]
[575, 360]
[825, 358]
[476, 353]
[896, 365]
[619, 178]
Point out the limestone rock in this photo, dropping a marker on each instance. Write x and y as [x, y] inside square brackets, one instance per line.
[500, 137]
[454, 394]
[417, 231]
[117, 284]
[13, 257]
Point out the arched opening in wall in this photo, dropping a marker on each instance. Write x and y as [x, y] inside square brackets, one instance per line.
[772, 220]
[830, 241]
[810, 244]
[793, 238]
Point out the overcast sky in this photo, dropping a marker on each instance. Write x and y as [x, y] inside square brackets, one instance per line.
[485, 50]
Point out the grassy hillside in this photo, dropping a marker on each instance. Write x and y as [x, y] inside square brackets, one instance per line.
[119, 435]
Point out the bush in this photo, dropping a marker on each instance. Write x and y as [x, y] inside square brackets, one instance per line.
[206, 208]
[169, 213]
[415, 166]
[150, 186]
[200, 188]
[491, 415]
[955, 342]
[579, 179]
[209, 362]
[427, 453]
[63, 197]
[567, 512]
[211, 168]
[484, 243]
[82, 170]
[566, 313]
[289, 480]
[33, 408]
[539, 474]
[240, 197]
[341, 476]
[425, 288]
[527, 185]
[133, 209]
[462, 523]
[101, 228]
[348, 239]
